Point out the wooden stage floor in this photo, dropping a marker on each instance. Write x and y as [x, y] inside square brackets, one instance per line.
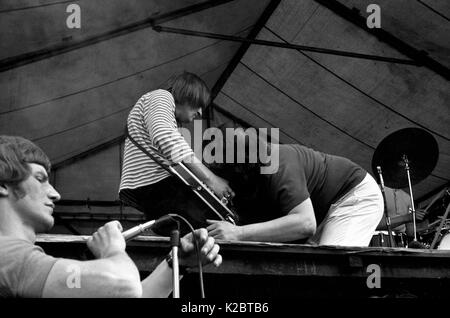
[273, 270]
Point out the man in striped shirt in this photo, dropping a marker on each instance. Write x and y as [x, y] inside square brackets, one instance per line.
[153, 121]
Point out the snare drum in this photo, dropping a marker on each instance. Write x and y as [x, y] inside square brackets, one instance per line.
[381, 239]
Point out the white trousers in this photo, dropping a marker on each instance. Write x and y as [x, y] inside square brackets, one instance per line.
[352, 220]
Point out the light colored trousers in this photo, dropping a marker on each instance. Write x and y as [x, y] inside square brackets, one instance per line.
[352, 220]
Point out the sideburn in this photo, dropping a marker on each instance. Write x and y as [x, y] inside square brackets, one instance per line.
[17, 191]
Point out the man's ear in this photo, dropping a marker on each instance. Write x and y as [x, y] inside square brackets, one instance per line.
[4, 191]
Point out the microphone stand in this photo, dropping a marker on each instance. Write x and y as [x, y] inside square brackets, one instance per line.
[386, 215]
[413, 210]
[438, 232]
[175, 243]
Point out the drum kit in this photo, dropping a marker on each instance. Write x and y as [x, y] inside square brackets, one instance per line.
[407, 157]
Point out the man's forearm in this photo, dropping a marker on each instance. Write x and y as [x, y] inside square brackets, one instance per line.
[111, 276]
[159, 283]
[199, 169]
[287, 228]
[395, 221]
[119, 264]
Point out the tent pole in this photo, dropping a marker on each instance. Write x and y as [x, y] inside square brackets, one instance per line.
[267, 13]
[284, 45]
[421, 57]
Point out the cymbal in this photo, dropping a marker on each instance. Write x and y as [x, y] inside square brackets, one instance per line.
[421, 150]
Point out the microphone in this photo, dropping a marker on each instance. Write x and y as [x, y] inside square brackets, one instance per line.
[135, 231]
[162, 226]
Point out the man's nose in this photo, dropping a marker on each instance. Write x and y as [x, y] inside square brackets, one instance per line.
[53, 194]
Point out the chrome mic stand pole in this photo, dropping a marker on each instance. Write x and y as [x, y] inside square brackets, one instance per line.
[175, 242]
[386, 215]
[413, 210]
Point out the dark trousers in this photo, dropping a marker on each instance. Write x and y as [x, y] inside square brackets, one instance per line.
[169, 195]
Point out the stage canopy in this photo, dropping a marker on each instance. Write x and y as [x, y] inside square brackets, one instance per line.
[311, 68]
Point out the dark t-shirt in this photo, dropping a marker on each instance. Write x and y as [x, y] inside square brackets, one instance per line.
[304, 173]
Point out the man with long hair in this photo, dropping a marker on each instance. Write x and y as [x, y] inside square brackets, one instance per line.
[312, 196]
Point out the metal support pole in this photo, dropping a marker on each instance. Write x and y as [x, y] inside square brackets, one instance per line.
[413, 210]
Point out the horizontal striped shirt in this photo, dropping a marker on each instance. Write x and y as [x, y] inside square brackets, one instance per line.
[152, 122]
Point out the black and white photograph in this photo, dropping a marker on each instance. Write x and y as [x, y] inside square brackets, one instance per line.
[237, 155]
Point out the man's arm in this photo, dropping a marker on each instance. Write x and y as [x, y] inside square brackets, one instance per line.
[159, 283]
[113, 274]
[219, 185]
[401, 219]
[395, 221]
[162, 127]
[299, 223]
[110, 277]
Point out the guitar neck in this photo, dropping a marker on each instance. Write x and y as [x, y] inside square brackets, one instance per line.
[199, 188]
[203, 192]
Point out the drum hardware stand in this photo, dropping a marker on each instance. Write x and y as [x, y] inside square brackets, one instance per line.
[386, 215]
[438, 232]
[393, 154]
[413, 210]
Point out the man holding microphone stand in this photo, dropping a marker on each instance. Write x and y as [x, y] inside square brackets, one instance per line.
[27, 200]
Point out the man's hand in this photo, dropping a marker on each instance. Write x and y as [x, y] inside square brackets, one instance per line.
[420, 214]
[223, 230]
[107, 240]
[209, 250]
[220, 187]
